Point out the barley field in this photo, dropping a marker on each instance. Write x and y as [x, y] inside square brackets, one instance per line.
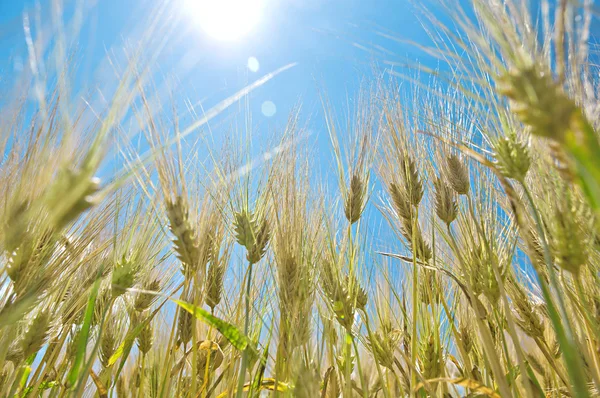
[452, 249]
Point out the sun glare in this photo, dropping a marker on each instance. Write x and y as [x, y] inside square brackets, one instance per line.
[226, 19]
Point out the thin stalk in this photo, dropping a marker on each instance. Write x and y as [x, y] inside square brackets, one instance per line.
[506, 351]
[207, 372]
[415, 307]
[459, 344]
[363, 382]
[142, 371]
[180, 375]
[242, 376]
[170, 349]
[347, 364]
[194, 343]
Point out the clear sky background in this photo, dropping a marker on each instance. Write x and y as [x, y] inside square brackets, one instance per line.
[337, 45]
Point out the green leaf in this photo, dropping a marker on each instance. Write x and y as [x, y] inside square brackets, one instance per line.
[582, 144]
[83, 335]
[471, 384]
[45, 385]
[25, 375]
[230, 332]
[268, 384]
[260, 372]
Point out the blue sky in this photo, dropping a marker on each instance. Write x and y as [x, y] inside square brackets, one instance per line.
[322, 37]
[327, 39]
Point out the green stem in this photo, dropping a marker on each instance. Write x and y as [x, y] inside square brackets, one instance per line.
[363, 382]
[246, 326]
[142, 371]
[347, 364]
[415, 306]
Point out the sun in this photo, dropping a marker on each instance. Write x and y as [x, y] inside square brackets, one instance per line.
[225, 19]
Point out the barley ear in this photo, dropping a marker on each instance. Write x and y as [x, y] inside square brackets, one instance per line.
[244, 233]
[184, 328]
[214, 284]
[512, 157]
[457, 175]
[260, 245]
[185, 240]
[36, 334]
[143, 301]
[401, 203]
[446, 207]
[145, 339]
[108, 341]
[124, 276]
[412, 180]
[356, 199]
[538, 101]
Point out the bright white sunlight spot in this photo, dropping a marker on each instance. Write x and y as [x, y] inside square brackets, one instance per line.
[225, 19]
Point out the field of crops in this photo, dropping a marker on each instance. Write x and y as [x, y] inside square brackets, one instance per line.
[231, 277]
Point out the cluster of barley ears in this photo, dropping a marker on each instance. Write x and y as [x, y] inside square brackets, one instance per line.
[457, 255]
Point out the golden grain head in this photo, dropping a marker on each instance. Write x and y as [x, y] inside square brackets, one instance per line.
[383, 344]
[144, 300]
[109, 340]
[356, 199]
[185, 240]
[252, 232]
[145, 339]
[124, 276]
[413, 185]
[570, 235]
[466, 337]
[401, 203]
[244, 229]
[446, 207]
[214, 284]
[416, 242]
[185, 327]
[71, 194]
[259, 248]
[430, 357]
[36, 334]
[457, 174]
[512, 157]
[538, 101]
